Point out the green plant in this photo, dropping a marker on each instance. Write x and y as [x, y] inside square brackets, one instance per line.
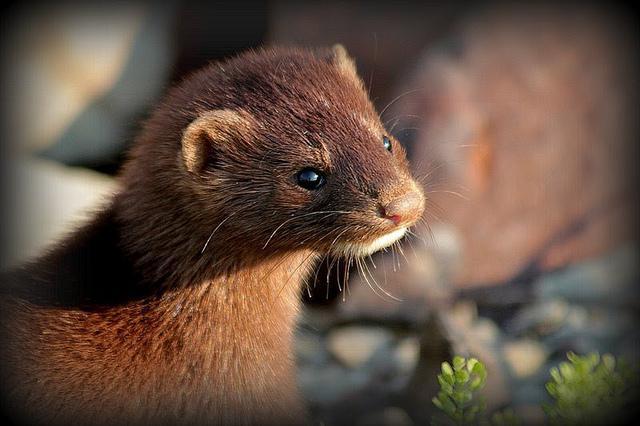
[591, 390]
[458, 384]
[586, 390]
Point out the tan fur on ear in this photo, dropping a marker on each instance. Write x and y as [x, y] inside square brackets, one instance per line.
[343, 61]
[207, 131]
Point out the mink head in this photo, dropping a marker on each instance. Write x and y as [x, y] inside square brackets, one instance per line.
[282, 150]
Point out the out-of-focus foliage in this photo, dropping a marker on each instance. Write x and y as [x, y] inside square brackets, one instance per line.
[591, 389]
[458, 386]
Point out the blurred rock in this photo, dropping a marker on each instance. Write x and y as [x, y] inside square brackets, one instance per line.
[354, 345]
[105, 126]
[48, 201]
[486, 330]
[62, 56]
[311, 349]
[541, 318]
[527, 141]
[611, 279]
[463, 313]
[407, 353]
[524, 357]
[330, 384]
[597, 329]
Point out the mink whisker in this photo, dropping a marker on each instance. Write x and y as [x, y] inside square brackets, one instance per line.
[219, 225]
[397, 98]
[328, 213]
[448, 192]
[402, 251]
[372, 262]
[413, 249]
[363, 275]
[292, 274]
[366, 268]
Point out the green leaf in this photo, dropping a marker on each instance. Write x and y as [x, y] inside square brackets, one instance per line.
[477, 383]
[479, 371]
[448, 406]
[567, 371]
[437, 403]
[444, 385]
[552, 389]
[459, 397]
[446, 369]
[462, 376]
[458, 362]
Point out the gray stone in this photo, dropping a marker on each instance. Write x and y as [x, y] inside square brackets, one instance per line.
[407, 353]
[330, 384]
[610, 279]
[543, 318]
[310, 349]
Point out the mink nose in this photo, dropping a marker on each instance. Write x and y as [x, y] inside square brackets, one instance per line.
[406, 208]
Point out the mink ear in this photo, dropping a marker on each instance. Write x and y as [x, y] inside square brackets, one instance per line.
[210, 131]
[343, 61]
[345, 64]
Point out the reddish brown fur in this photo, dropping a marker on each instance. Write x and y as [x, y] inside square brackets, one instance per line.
[143, 316]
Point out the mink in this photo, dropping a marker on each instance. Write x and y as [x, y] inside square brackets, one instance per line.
[178, 301]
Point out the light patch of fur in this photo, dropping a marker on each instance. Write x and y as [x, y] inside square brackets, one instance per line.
[352, 249]
[345, 63]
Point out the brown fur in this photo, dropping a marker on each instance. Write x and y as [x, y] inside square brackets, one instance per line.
[178, 302]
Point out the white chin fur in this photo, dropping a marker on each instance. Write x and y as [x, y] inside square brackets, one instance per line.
[360, 250]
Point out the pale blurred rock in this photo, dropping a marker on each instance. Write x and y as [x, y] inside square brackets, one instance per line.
[485, 330]
[62, 58]
[407, 353]
[354, 345]
[463, 313]
[577, 317]
[525, 357]
[47, 202]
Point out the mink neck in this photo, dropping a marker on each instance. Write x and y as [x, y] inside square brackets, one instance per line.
[122, 257]
[173, 245]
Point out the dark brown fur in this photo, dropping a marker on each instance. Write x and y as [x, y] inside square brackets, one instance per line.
[144, 315]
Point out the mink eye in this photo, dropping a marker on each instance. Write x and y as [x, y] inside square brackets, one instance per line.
[387, 143]
[310, 178]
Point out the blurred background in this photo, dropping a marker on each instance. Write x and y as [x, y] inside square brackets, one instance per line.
[520, 122]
